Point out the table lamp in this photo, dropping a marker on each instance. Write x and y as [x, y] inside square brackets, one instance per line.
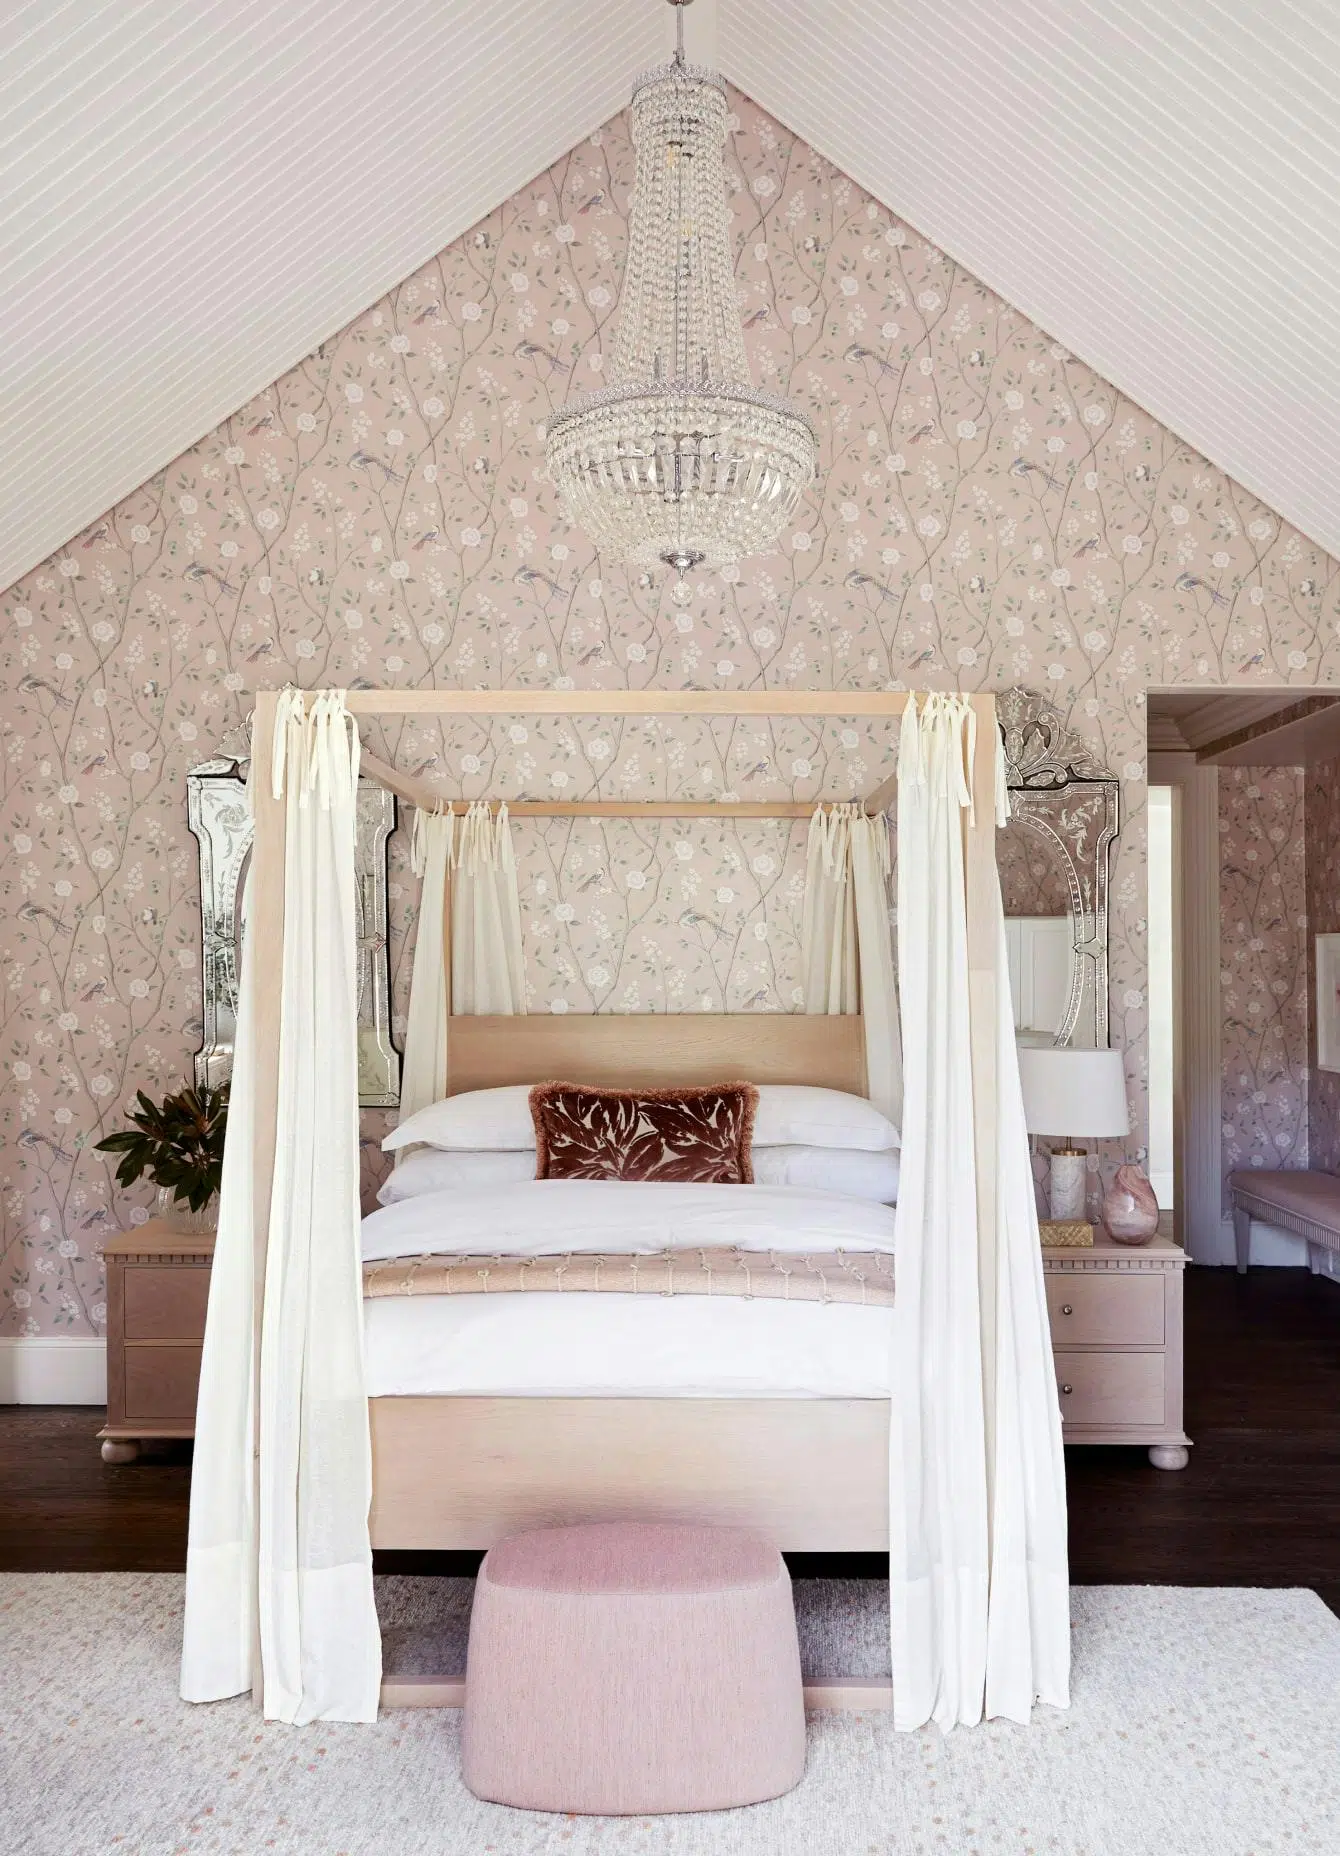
[1070, 1092]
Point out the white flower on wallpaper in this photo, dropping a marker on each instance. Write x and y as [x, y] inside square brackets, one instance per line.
[989, 513]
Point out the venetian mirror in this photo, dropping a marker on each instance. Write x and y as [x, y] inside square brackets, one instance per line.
[217, 812]
[1053, 859]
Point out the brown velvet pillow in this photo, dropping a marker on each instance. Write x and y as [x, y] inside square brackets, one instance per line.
[699, 1135]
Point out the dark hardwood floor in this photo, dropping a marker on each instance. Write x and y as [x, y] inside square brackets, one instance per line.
[1259, 1504]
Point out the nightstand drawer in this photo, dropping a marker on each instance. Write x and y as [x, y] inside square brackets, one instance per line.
[1118, 1389]
[161, 1383]
[1106, 1309]
[166, 1303]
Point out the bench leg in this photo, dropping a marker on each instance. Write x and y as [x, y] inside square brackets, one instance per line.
[1314, 1258]
[1242, 1238]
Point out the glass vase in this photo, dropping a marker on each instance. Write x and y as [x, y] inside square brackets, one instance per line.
[177, 1215]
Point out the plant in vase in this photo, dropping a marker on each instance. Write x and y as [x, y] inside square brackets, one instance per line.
[178, 1143]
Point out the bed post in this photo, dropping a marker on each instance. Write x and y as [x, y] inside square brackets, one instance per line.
[265, 930]
[984, 982]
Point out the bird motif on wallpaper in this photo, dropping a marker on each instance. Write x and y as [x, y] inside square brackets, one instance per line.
[31, 684]
[96, 535]
[417, 547]
[364, 460]
[34, 912]
[528, 576]
[857, 353]
[530, 351]
[1085, 547]
[591, 202]
[98, 990]
[197, 571]
[1022, 468]
[692, 919]
[431, 312]
[266, 423]
[98, 763]
[857, 579]
[759, 315]
[32, 1140]
[1192, 583]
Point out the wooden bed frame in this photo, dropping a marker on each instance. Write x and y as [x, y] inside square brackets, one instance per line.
[462, 1472]
[810, 1473]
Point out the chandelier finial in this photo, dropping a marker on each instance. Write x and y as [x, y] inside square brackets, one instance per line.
[681, 459]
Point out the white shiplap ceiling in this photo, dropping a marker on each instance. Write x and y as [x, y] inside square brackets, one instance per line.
[1155, 182]
[196, 193]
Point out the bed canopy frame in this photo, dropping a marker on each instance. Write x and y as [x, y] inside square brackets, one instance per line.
[970, 1437]
[477, 1058]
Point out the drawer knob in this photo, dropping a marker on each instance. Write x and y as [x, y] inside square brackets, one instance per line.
[1067, 1388]
[1067, 1308]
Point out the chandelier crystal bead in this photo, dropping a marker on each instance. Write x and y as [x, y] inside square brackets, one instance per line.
[680, 458]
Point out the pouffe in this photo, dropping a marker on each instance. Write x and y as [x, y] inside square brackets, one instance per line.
[622, 1667]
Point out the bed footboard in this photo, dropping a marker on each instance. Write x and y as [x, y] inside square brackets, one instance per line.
[452, 1473]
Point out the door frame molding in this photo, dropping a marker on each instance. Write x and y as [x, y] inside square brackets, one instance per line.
[1198, 1160]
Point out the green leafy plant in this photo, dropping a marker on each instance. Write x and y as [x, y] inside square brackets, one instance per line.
[178, 1143]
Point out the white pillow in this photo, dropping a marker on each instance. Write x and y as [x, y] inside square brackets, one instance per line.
[796, 1115]
[432, 1169]
[858, 1172]
[498, 1119]
[789, 1115]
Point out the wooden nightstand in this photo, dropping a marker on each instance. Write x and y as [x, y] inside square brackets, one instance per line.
[157, 1289]
[1116, 1315]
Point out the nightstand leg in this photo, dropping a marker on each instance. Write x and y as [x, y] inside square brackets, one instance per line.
[119, 1449]
[1169, 1456]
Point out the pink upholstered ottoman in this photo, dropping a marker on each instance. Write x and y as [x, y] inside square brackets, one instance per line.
[627, 1667]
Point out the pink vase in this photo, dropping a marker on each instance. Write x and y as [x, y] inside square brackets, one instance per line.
[1130, 1210]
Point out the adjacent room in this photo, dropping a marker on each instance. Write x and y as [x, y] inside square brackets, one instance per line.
[669, 1175]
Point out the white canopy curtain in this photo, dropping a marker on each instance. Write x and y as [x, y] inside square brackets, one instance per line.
[475, 857]
[978, 1580]
[846, 939]
[279, 1567]
[423, 1073]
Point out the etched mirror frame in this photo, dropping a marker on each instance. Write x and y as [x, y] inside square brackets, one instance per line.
[1062, 794]
[217, 813]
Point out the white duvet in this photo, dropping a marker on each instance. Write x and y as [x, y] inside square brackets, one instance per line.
[539, 1217]
[623, 1346]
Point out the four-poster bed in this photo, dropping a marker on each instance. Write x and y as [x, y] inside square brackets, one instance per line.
[977, 1557]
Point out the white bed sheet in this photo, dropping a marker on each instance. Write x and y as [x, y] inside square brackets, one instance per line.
[625, 1346]
[537, 1217]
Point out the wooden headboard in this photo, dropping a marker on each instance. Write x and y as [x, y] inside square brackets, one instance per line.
[642, 1050]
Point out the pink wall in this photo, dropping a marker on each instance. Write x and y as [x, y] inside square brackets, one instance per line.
[1263, 891]
[990, 513]
[1323, 909]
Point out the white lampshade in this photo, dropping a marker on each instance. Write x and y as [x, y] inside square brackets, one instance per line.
[1070, 1091]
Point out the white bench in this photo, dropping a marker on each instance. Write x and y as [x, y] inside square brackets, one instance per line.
[1308, 1204]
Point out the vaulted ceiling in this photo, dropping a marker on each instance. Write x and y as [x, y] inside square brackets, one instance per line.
[196, 193]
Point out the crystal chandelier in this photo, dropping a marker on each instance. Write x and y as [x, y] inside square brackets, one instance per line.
[680, 458]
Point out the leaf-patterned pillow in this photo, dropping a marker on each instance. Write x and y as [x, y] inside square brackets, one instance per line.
[698, 1135]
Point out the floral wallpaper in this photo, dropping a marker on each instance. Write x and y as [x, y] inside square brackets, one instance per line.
[1263, 884]
[1323, 917]
[990, 512]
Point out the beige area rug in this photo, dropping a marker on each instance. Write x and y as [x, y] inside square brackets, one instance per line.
[1204, 1723]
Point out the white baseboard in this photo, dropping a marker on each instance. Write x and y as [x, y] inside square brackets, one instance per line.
[53, 1369]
